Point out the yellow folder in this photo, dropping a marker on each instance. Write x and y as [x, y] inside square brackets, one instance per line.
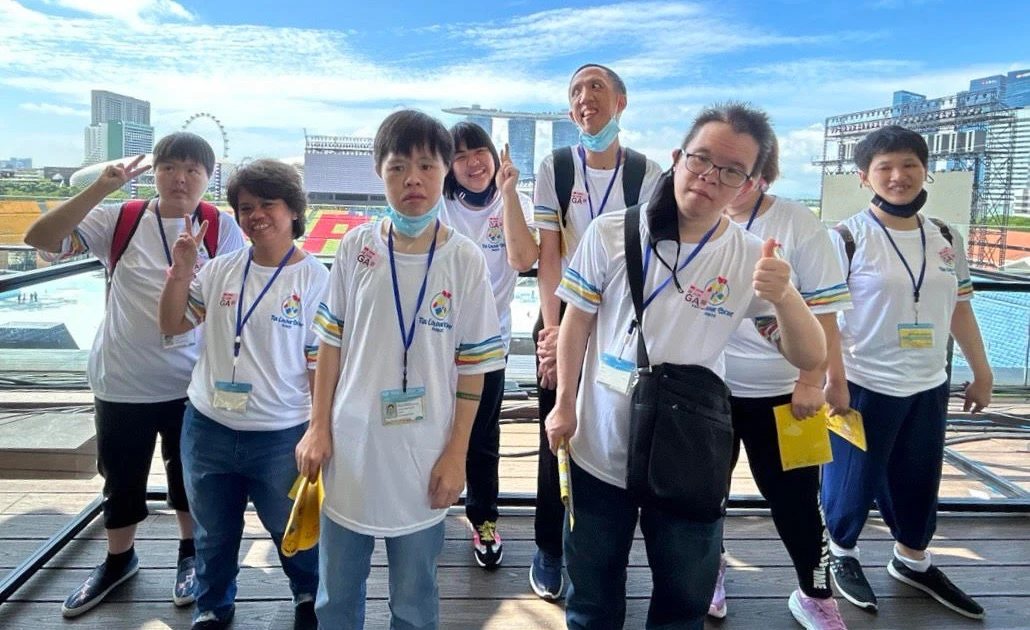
[302, 528]
[849, 426]
[802, 442]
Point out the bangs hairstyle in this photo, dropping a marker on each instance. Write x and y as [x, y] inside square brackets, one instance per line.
[471, 136]
[617, 82]
[890, 139]
[742, 118]
[401, 133]
[183, 145]
[270, 179]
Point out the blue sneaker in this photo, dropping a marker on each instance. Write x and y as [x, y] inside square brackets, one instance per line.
[546, 577]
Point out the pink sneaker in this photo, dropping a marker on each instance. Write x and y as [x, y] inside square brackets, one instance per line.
[815, 614]
[717, 608]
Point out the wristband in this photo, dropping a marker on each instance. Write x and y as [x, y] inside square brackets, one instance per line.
[467, 396]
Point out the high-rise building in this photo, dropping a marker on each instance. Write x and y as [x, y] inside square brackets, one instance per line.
[564, 133]
[521, 133]
[108, 106]
[484, 120]
[522, 142]
[1013, 88]
[16, 163]
[120, 128]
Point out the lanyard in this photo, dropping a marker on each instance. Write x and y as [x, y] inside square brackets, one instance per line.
[586, 180]
[242, 319]
[916, 284]
[754, 211]
[693, 254]
[161, 228]
[407, 338]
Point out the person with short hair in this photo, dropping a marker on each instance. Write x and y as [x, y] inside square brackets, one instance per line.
[910, 283]
[138, 376]
[409, 321]
[481, 202]
[722, 275]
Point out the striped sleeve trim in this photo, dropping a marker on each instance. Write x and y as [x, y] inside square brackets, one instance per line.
[327, 326]
[196, 310]
[73, 245]
[769, 328]
[546, 218]
[477, 353]
[837, 295]
[311, 356]
[575, 288]
[965, 288]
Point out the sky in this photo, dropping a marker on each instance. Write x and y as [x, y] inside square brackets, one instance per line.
[271, 70]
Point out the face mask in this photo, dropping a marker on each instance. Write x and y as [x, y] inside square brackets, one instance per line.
[413, 226]
[477, 199]
[602, 139]
[906, 211]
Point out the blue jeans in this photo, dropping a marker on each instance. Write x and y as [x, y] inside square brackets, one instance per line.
[345, 562]
[222, 468]
[683, 556]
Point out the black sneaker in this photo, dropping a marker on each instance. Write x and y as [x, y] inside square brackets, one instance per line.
[487, 545]
[304, 617]
[185, 582]
[851, 583]
[934, 583]
[96, 587]
[210, 621]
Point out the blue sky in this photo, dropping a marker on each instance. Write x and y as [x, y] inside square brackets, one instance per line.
[270, 69]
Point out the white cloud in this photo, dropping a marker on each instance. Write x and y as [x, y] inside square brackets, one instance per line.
[50, 108]
[131, 11]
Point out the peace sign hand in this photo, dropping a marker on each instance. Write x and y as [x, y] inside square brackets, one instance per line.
[507, 174]
[115, 176]
[184, 251]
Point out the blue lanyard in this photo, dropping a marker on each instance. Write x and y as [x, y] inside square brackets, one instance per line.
[161, 228]
[586, 180]
[407, 338]
[916, 284]
[754, 211]
[693, 254]
[242, 319]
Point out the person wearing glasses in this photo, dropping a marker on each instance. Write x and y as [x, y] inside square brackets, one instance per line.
[724, 275]
[910, 283]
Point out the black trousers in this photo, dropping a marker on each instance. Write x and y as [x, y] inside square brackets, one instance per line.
[484, 452]
[793, 495]
[550, 511]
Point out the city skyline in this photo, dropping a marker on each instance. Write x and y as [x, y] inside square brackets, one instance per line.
[267, 71]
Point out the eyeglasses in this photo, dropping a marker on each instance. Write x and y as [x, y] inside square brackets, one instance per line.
[728, 175]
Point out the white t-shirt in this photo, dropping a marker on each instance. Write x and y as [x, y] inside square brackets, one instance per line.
[486, 228]
[377, 481]
[882, 292]
[691, 328]
[278, 343]
[128, 362]
[754, 368]
[547, 209]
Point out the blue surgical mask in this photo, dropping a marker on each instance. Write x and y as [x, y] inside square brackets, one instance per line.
[412, 227]
[602, 139]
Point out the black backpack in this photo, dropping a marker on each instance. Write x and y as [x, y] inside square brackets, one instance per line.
[565, 177]
[849, 238]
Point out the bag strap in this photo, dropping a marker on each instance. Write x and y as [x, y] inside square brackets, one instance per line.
[210, 213]
[849, 244]
[129, 216]
[635, 276]
[945, 230]
[633, 176]
[564, 179]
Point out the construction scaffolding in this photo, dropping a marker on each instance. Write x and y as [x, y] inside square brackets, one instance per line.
[968, 131]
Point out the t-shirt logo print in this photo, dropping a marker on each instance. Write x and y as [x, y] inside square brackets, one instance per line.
[291, 306]
[440, 307]
[717, 290]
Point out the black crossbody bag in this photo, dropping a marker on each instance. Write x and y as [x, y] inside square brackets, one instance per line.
[681, 434]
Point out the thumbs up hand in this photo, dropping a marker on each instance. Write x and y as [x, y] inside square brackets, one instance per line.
[771, 279]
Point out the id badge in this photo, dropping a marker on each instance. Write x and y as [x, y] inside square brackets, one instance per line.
[185, 340]
[230, 396]
[617, 374]
[402, 407]
[915, 336]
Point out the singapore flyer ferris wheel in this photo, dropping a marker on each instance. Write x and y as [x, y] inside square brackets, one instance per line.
[216, 179]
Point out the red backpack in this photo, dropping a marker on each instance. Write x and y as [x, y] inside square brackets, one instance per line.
[131, 214]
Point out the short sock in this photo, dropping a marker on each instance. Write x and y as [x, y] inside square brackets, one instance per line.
[186, 549]
[117, 562]
[920, 566]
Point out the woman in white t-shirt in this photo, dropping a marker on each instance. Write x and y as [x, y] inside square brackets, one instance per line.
[480, 202]
[250, 395]
[910, 285]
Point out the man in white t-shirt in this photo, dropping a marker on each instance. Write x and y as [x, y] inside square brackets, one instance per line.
[138, 376]
[723, 276]
[574, 185]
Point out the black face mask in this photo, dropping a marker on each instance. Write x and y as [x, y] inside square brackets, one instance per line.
[662, 213]
[477, 199]
[906, 211]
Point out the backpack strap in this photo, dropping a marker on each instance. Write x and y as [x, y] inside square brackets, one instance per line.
[945, 230]
[564, 179]
[635, 276]
[849, 244]
[129, 216]
[210, 213]
[633, 176]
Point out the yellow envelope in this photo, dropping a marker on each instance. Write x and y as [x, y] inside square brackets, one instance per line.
[565, 482]
[802, 442]
[849, 426]
[302, 528]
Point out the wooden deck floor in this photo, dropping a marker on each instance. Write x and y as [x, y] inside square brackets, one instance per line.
[989, 556]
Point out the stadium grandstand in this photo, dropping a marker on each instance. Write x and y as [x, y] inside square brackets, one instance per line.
[340, 170]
